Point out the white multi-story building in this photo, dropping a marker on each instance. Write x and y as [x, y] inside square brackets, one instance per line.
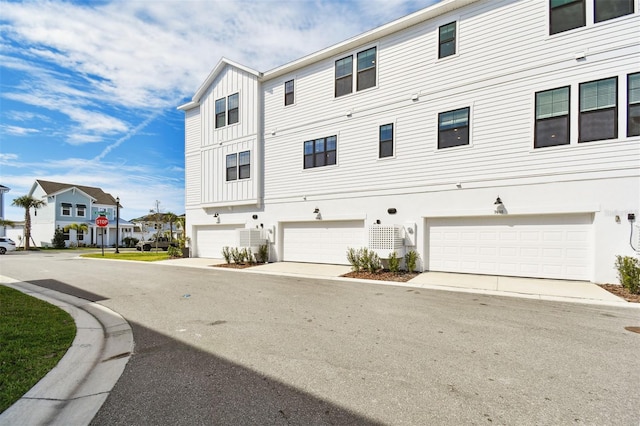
[496, 136]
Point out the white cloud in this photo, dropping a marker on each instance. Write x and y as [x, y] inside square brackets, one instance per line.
[17, 131]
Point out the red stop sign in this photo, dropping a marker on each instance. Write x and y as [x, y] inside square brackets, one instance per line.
[102, 221]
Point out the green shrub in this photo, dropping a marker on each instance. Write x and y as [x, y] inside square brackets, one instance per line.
[226, 253]
[237, 255]
[394, 262]
[263, 253]
[58, 239]
[410, 260]
[174, 252]
[247, 255]
[353, 256]
[374, 264]
[629, 273]
[130, 241]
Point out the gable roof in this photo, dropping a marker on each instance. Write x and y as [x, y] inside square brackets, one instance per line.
[98, 195]
[4, 189]
[217, 70]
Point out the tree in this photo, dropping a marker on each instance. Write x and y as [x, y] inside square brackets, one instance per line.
[78, 227]
[170, 218]
[58, 240]
[27, 202]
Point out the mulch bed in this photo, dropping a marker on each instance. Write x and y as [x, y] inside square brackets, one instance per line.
[235, 265]
[400, 277]
[620, 291]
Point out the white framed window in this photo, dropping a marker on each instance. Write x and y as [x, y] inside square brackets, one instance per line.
[447, 40]
[365, 68]
[453, 128]
[65, 209]
[320, 152]
[81, 210]
[289, 94]
[552, 117]
[598, 119]
[386, 141]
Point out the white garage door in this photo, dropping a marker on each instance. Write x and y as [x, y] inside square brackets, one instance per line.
[211, 239]
[543, 246]
[321, 242]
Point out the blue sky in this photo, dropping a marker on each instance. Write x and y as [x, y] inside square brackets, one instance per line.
[89, 89]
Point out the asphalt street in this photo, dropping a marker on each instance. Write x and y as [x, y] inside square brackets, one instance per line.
[225, 347]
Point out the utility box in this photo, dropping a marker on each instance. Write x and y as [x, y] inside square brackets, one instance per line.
[251, 237]
[384, 239]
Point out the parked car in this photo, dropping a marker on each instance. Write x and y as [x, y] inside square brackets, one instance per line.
[6, 244]
[162, 243]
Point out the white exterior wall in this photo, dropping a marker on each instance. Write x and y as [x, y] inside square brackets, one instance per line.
[496, 73]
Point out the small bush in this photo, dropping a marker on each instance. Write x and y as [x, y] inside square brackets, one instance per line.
[237, 255]
[410, 260]
[374, 264]
[353, 256]
[394, 262]
[174, 252]
[262, 255]
[226, 253]
[629, 273]
[58, 239]
[130, 242]
[247, 255]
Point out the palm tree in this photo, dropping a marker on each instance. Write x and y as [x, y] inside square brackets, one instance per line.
[78, 227]
[27, 202]
[170, 218]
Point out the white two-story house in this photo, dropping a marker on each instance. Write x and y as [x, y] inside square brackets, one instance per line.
[495, 137]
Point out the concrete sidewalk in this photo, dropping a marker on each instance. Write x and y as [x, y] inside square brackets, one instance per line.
[75, 389]
[532, 288]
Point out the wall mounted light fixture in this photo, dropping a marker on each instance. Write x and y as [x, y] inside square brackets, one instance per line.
[392, 210]
[499, 206]
[217, 216]
[255, 216]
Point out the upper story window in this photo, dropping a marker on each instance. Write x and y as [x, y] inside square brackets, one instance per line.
[344, 76]
[288, 93]
[81, 210]
[566, 15]
[221, 112]
[239, 166]
[365, 69]
[320, 152]
[598, 110]
[453, 128]
[633, 108]
[227, 110]
[386, 141]
[552, 118]
[447, 40]
[609, 9]
[65, 209]
[233, 107]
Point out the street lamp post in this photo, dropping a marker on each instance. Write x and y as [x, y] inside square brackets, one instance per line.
[117, 224]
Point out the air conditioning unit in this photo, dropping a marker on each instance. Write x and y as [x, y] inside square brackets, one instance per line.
[251, 237]
[384, 239]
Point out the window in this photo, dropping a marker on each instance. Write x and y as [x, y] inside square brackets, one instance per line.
[633, 109]
[344, 76]
[80, 236]
[598, 110]
[366, 69]
[232, 106]
[220, 113]
[447, 40]
[66, 209]
[239, 166]
[81, 210]
[232, 167]
[320, 152]
[552, 118]
[244, 165]
[65, 232]
[453, 128]
[609, 9]
[566, 15]
[288, 93]
[386, 141]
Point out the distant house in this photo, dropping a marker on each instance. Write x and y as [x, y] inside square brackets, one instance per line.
[67, 204]
[497, 137]
[3, 189]
[147, 226]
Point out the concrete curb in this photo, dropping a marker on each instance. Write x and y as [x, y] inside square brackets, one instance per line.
[75, 389]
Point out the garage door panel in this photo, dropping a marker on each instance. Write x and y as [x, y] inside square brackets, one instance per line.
[211, 239]
[321, 242]
[552, 246]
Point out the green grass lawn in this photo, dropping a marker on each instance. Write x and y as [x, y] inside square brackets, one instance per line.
[145, 256]
[34, 336]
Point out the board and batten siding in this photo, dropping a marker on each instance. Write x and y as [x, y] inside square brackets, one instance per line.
[192, 132]
[216, 144]
[495, 73]
[216, 187]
